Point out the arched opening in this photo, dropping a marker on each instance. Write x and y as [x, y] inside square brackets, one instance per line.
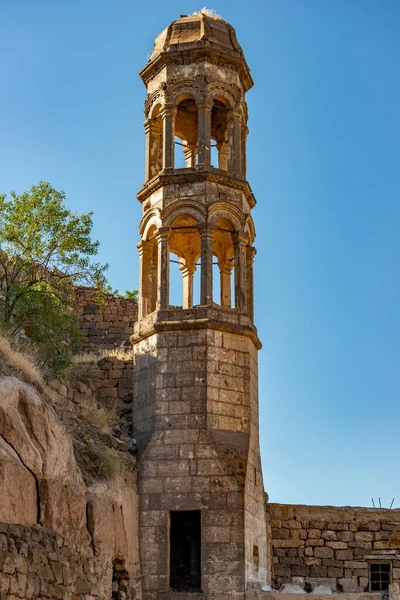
[155, 142]
[219, 134]
[184, 246]
[186, 133]
[223, 250]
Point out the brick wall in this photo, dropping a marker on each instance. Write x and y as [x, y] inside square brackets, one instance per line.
[108, 325]
[332, 546]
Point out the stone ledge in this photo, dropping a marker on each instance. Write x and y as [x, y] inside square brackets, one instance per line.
[191, 175]
[199, 317]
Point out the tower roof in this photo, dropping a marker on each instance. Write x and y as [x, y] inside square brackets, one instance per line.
[200, 32]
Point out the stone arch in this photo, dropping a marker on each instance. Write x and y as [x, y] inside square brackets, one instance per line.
[181, 88]
[150, 219]
[228, 211]
[183, 207]
[249, 229]
[224, 92]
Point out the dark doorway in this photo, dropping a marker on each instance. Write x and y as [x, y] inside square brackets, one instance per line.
[185, 548]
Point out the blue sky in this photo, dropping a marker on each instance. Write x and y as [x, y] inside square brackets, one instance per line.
[324, 164]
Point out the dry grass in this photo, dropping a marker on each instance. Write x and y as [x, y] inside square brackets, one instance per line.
[98, 416]
[93, 357]
[209, 12]
[96, 461]
[21, 362]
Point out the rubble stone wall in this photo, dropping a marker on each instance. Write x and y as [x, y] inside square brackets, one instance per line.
[36, 562]
[108, 381]
[332, 546]
[108, 325]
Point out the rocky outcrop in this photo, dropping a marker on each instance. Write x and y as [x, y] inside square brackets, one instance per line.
[59, 537]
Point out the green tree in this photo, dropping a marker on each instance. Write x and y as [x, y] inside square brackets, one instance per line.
[45, 251]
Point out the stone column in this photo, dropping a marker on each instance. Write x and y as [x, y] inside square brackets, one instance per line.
[206, 283]
[250, 254]
[145, 278]
[187, 279]
[225, 270]
[154, 279]
[190, 155]
[147, 167]
[235, 142]
[204, 143]
[244, 134]
[163, 269]
[167, 115]
[240, 273]
[223, 155]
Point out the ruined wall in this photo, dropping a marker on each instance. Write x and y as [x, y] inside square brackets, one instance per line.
[332, 546]
[108, 325]
[108, 381]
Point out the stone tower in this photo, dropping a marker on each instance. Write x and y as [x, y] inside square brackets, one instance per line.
[202, 506]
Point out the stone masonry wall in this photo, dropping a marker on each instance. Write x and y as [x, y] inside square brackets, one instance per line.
[332, 546]
[108, 325]
[192, 415]
[109, 381]
[36, 562]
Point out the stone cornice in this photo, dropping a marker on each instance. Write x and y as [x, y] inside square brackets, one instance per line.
[199, 53]
[199, 317]
[192, 175]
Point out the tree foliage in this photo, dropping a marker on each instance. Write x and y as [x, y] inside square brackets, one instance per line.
[46, 251]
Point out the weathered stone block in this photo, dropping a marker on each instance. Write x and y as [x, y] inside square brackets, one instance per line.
[323, 552]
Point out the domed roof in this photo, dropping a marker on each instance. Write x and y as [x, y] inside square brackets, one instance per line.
[200, 30]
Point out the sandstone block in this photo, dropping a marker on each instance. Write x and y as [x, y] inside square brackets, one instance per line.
[348, 585]
[345, 536]
[344, 555]
[329, 535]
[314, 533]
[324, 552]
[280, 533]
[318, 571]
[364, 536]
[335, 572]
[315, 542]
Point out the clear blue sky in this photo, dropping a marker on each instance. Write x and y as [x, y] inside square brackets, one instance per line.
[323, 162]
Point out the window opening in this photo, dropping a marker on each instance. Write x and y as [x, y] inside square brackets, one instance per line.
[186, 133]
[175, 281]
[219, 135]
[214, 155]
[379, 576]
[180, 162]
[196, 285]
[256, 557]
[185, 551]
[216, 282]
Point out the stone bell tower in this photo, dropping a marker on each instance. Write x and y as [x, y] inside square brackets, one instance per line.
[202, 506]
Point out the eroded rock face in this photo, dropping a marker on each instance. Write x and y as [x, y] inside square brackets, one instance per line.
[57, 537]
[33, 431]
